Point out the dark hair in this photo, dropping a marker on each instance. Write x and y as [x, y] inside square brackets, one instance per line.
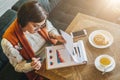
[31, 12]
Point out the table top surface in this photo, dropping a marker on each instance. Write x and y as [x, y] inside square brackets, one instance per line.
[89, 71]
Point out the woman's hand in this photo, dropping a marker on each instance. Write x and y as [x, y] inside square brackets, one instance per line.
[36, 64]
[60, 38]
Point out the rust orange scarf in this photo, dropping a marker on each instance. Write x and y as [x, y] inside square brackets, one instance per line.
[15, 35]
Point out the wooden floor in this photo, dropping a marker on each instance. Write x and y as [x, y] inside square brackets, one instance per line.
[105, 9]
[111, 11]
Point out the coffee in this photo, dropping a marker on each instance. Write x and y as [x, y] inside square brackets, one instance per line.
[105, 61]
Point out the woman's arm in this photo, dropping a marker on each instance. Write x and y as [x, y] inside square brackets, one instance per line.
[53, 33]
[51, 29]
[14, 57]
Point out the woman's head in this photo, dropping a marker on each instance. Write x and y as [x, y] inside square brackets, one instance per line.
[31, 12]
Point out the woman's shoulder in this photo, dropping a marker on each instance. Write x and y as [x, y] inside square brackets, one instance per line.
[4, 41]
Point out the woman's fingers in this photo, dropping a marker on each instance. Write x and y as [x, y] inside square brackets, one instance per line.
[60, 39]
[34, 59]
[36, 64]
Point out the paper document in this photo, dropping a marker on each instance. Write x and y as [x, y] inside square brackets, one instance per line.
[69, 46]
[58, 56]
[68, 54]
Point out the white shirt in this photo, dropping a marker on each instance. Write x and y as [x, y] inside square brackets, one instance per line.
[35, 40]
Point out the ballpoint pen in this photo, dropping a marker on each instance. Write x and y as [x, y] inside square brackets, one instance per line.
[30, 60]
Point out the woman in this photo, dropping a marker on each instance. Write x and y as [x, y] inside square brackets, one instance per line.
[26, 35]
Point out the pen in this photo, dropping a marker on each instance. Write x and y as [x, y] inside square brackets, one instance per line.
[30, 60]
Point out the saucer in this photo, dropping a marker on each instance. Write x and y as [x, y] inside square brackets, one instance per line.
[101, 68]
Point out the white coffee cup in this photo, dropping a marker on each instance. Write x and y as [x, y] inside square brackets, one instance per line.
[105, 61]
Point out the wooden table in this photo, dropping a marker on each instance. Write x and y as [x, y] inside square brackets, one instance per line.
[88, 71]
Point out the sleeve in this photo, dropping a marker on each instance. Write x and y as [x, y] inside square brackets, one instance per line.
[51, 30]
[14, 57]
